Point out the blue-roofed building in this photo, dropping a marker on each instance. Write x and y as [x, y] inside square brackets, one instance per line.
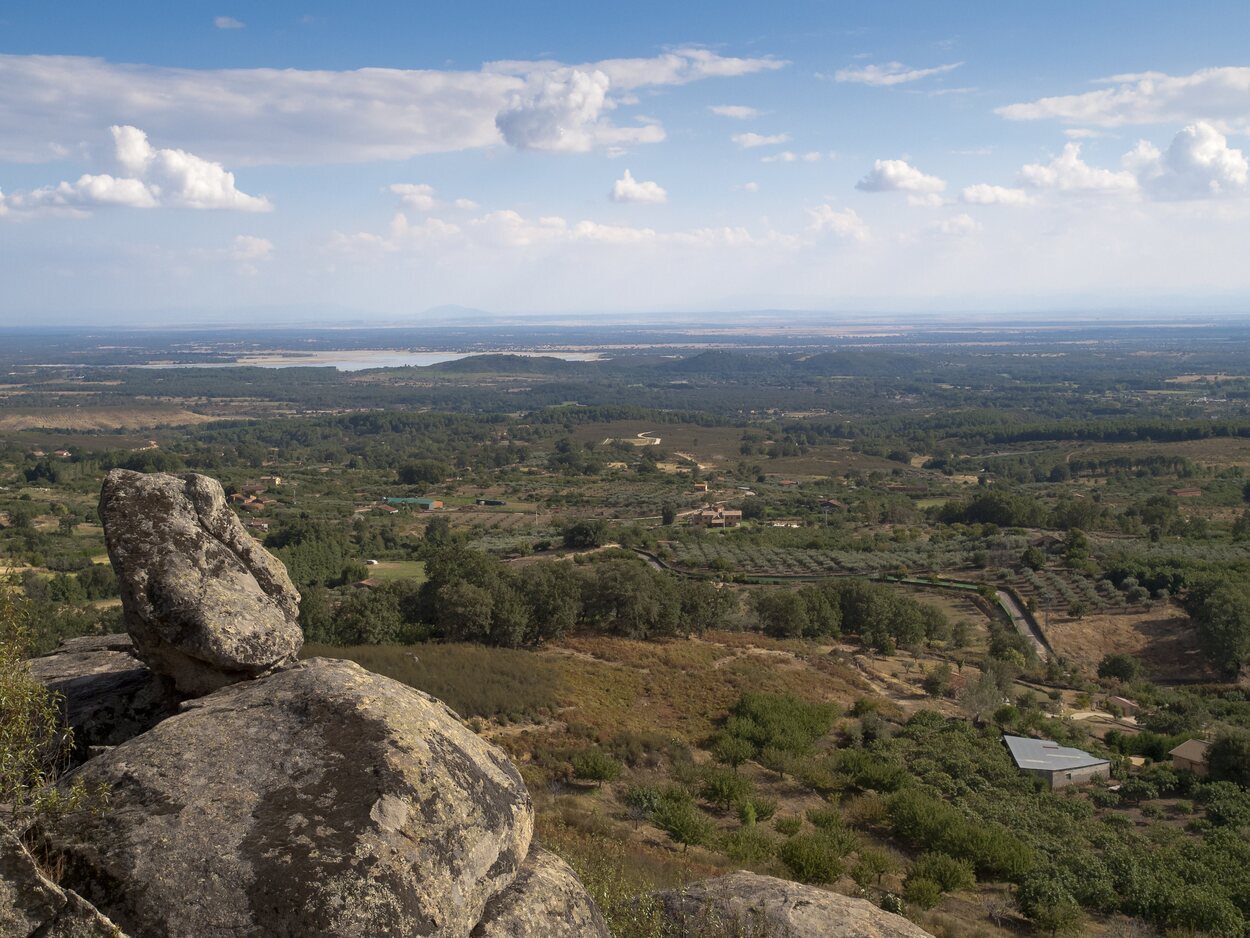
[1061, 766]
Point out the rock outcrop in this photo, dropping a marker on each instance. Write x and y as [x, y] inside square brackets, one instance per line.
[32, 906]
[546, 900]
[107, 694]
[761, 904]
[320, 800]
[203, 601]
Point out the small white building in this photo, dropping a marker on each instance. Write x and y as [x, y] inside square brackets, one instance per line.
[1061, 766]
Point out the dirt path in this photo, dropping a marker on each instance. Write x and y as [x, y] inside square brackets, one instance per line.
[1022, 623]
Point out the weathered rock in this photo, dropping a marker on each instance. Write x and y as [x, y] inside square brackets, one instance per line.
[203, 601]
[32, 906]
[107, 694]
[772, 906]
[321, 800]
[546, 900]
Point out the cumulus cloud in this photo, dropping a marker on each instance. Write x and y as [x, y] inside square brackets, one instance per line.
[892, 73]
[265, 115]
[844, 223]
[738, 112]
[1220, 96]
[419, 196]
[749, 141]
[986, 194]
[899, 176]
[562, 111]
[629, 189]
[228, 22]
[150, 178]
[1069, 173]
[1198, 164]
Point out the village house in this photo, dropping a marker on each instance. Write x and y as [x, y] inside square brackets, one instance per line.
[275, 481]
[1191, 756]
[1126, 706]
[717, 518]
[1059, 765]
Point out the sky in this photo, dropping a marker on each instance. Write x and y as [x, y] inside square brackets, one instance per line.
[185, 163]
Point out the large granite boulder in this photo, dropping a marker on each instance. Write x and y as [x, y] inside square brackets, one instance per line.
[203, 601]
[756, 904]
[107, 694]
[32, 906]
[546, 900]
[321, 800]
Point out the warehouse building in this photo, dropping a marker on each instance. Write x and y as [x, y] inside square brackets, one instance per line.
[1058, 765]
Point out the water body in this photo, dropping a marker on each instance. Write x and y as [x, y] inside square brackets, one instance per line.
[360, 359]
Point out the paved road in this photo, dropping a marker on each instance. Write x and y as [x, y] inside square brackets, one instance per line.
[1022, 623]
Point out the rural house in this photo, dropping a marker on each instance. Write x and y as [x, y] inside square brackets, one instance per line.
[717, 518]
[1191, 756]
[425, 504]
[1059, 765]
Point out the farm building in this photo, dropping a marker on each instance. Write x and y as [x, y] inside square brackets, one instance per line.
[1127, 707]
[1059, 765]
[1191, 756]
[717, 518]
[425, 504]
[490, 502]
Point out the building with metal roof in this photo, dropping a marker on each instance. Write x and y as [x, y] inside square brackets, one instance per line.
[1060, 766]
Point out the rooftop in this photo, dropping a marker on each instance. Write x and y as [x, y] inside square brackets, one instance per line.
[1195, 750]
[1047, 755]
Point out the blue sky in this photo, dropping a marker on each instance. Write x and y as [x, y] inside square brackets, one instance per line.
[199, 162]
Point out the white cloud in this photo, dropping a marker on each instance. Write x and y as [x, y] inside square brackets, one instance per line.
[168, 178]
[1081, 133]
[1220, 96]
[738, 112]
[1198, 164]
[892, 73]
[844, 223]
[269, 115]
[899, 176]
[562, 111]
[419, 196]
[466, 205]
[789, 156]
[957, 226]
[751, 140]
[745, 187]
[629, 189]
[228, 22]
[1069, 173]
[251, 248]
[986, 194]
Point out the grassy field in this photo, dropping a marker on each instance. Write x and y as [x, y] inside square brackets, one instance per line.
[398, 570]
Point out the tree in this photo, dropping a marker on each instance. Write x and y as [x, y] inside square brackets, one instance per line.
[732, 750]
[423, 472]
[1223, 619]
[814, 858]
[1120, 667]
[1045, 901]
[1241, 527]
[724, 788]
[595, 765]
[586, 534]
[368, 617]
[781, 612]
[1033, 558]
[1228, 759]
[872, 866]
[668, 513]
[937, 682]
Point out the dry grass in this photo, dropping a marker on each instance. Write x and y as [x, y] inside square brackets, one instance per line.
[1162, 637]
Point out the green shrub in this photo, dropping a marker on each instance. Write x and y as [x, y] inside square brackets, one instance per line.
[724, 788]
[812, 858]
[749, 845]
[922, 893]
[948, 873]
[595, 765]
[788, 826]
